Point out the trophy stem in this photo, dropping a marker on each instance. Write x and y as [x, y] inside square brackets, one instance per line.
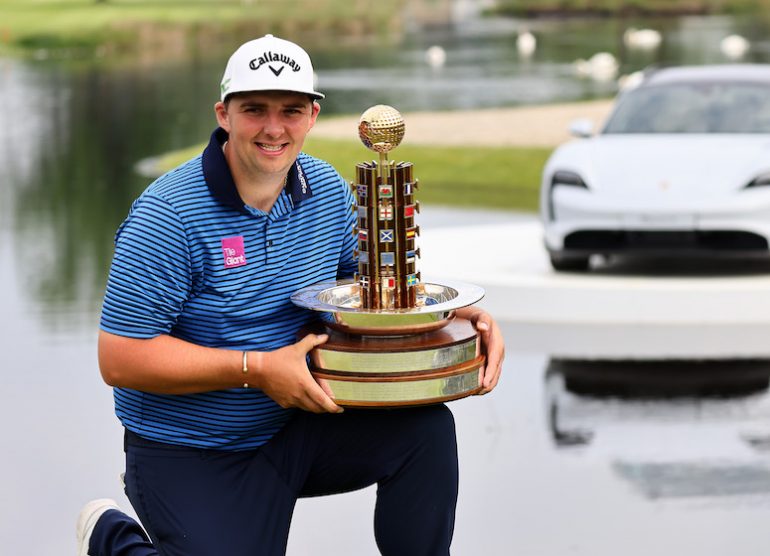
[383, 167]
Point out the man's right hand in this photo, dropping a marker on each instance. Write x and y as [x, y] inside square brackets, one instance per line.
[284, 376]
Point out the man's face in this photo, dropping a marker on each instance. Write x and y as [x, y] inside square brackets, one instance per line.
[267, 131]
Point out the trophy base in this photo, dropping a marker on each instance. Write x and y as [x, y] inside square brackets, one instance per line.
[395, 371]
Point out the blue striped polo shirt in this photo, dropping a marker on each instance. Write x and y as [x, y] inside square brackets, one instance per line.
[193, 261]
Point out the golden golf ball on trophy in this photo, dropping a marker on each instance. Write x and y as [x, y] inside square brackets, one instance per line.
[381, 128]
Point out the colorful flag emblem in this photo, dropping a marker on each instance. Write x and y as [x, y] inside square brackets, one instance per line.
[386, 191]
[408, 188]
[363, 235]
[362, 212]
[363, 257]
[363, 281]
[388, 282]
[411, 279]
[387, 259]
[386, 236]
[411, 232]
[410, 255]
[409, 210]
[386, 212]
[362, 189]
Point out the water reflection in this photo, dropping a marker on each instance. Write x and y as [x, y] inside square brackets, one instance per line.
[70, 137]
[670, 429]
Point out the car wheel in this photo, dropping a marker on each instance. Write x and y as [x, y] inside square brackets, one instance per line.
[569, 263]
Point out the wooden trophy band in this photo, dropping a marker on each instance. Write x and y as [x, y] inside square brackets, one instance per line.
[395, 371]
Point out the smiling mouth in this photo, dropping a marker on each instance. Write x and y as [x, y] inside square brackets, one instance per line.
[271, 148]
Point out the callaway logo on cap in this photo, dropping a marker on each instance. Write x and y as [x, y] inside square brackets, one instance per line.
[269, 64]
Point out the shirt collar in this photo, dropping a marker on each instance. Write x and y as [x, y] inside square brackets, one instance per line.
[220, 182]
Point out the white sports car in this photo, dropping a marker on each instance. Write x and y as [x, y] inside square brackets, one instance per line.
[682, 166]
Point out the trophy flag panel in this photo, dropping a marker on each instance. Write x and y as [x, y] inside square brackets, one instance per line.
[387, 252]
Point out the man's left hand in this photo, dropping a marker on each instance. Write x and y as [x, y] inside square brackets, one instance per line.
[492, 344]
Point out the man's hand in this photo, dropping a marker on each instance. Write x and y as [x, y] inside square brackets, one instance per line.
[492, 346]
[284, 376]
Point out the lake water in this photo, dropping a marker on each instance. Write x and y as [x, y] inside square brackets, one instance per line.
[552, 464]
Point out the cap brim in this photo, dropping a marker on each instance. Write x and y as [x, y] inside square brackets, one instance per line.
[315, 95]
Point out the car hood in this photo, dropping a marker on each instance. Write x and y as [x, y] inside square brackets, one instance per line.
[678, 166]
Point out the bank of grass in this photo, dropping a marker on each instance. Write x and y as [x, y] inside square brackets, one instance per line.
[124, 24]
[499, 178]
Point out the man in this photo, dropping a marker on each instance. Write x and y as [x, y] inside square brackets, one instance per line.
[225, 425]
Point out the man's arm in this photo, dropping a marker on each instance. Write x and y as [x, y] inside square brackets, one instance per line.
[492, 342]
[167, 365]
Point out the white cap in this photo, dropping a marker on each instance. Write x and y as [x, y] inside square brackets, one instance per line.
[269, 64]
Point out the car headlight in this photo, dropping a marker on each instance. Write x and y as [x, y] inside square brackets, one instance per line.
[760, 180]
[563, 177]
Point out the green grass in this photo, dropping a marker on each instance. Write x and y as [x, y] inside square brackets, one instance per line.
[500, 178]
[119, 23]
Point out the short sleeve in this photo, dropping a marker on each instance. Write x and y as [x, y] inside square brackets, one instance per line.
[150, 277]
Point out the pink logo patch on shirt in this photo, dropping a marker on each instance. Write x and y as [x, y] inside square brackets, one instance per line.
[233, 251]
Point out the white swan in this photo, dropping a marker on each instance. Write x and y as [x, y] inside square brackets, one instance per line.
[602, 66]
[526, 43]
[642, 39]
[627, 82]
[435, 56]
[734, 46]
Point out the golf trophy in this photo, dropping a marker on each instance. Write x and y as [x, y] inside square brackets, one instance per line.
[394, 340]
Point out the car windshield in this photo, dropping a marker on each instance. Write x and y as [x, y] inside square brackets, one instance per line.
[712, 107]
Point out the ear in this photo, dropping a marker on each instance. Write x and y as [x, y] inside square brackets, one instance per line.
[314, 115]
[222, 117]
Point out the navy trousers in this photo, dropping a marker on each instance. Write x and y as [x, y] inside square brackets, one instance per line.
[196, 502]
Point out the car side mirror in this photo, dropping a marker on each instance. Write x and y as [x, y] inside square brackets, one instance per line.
[582, 127]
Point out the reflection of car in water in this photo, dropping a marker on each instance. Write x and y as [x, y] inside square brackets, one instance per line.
[681, 166]
[671, 429]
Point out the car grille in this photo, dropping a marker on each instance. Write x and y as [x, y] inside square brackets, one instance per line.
[610, 241]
